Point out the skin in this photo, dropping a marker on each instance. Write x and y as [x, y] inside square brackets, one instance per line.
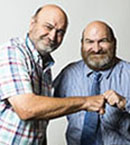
[98, 48]
[47, 29]
[99, 53]
[114, 99]
[44, 107]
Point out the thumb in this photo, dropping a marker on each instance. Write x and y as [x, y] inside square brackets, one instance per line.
[102, 111]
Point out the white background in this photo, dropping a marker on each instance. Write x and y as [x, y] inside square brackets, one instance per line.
[15, 16]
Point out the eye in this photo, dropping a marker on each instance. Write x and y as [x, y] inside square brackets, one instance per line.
[48, 27]
[104, 40]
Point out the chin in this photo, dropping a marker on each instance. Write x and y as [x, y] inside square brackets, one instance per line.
[102, 65]
[97, 64]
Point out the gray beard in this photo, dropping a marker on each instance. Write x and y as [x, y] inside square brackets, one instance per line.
[43, 50]
[99, 64]
[102, 64]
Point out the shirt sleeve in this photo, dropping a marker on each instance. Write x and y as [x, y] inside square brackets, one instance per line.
[14, 75]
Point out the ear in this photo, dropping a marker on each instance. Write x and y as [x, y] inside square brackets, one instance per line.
[32, 23]
[82, 42]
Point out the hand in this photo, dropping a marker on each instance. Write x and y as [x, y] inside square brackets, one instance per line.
[114, 98]
[95, 103]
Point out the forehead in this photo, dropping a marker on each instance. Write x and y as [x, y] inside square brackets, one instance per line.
[96, 31]
[52, 16]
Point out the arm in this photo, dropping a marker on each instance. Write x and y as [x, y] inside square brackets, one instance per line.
[114, 98]
[30, 106]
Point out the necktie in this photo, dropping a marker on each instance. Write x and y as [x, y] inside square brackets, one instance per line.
[91, 121]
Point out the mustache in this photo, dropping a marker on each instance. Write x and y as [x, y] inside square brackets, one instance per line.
[51, 42]
[98, 52]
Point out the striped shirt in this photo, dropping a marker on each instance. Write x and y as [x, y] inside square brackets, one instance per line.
[22, 72]
[76, 80]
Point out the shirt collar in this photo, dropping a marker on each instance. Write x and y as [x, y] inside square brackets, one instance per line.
[44, 61]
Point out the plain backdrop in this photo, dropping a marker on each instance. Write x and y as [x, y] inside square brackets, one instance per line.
[15, 16]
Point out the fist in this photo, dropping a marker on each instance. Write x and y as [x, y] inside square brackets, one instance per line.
[114, 98]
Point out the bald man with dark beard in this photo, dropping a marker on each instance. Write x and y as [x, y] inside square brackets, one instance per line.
[98, 49]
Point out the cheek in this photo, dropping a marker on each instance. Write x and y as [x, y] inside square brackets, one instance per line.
[106, 46]
[36, 33]
[110, 52]
[84, 53]
[87, 49]
[40, 32]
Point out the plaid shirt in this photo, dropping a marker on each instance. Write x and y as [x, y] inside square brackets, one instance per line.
[22, 72]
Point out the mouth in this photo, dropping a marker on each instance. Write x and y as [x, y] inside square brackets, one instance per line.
[97, 54]
[49, 43]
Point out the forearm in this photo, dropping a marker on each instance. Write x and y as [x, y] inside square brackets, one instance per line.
[41, 107]
[56, 107]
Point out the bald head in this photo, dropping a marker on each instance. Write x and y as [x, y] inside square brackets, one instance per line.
[99, 27]
[49, 9]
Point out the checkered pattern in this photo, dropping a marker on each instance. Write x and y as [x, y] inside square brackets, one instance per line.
[21, 72]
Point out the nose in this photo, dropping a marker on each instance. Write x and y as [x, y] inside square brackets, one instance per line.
[52, 34]
[96, 47]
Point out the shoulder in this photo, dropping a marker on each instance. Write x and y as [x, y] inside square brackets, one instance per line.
[13, 42]
[14, 46]
[124, 65]
[70, 72]
[73, 67]
[122, 68]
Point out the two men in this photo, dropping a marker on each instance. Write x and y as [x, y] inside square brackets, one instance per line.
[25, 82]
[99, 56]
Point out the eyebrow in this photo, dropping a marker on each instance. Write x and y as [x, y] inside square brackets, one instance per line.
[88, 39]
[94, 40]
[61, 29]
[48, 24]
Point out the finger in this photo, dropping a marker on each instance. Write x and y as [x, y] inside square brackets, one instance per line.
[102, 111]
[111, 101]
[105, 95]
[108, 94]
[121, 104]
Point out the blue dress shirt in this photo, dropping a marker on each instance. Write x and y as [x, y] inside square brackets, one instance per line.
[76, 80]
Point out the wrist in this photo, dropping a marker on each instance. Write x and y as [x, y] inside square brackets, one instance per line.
[86, 103]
